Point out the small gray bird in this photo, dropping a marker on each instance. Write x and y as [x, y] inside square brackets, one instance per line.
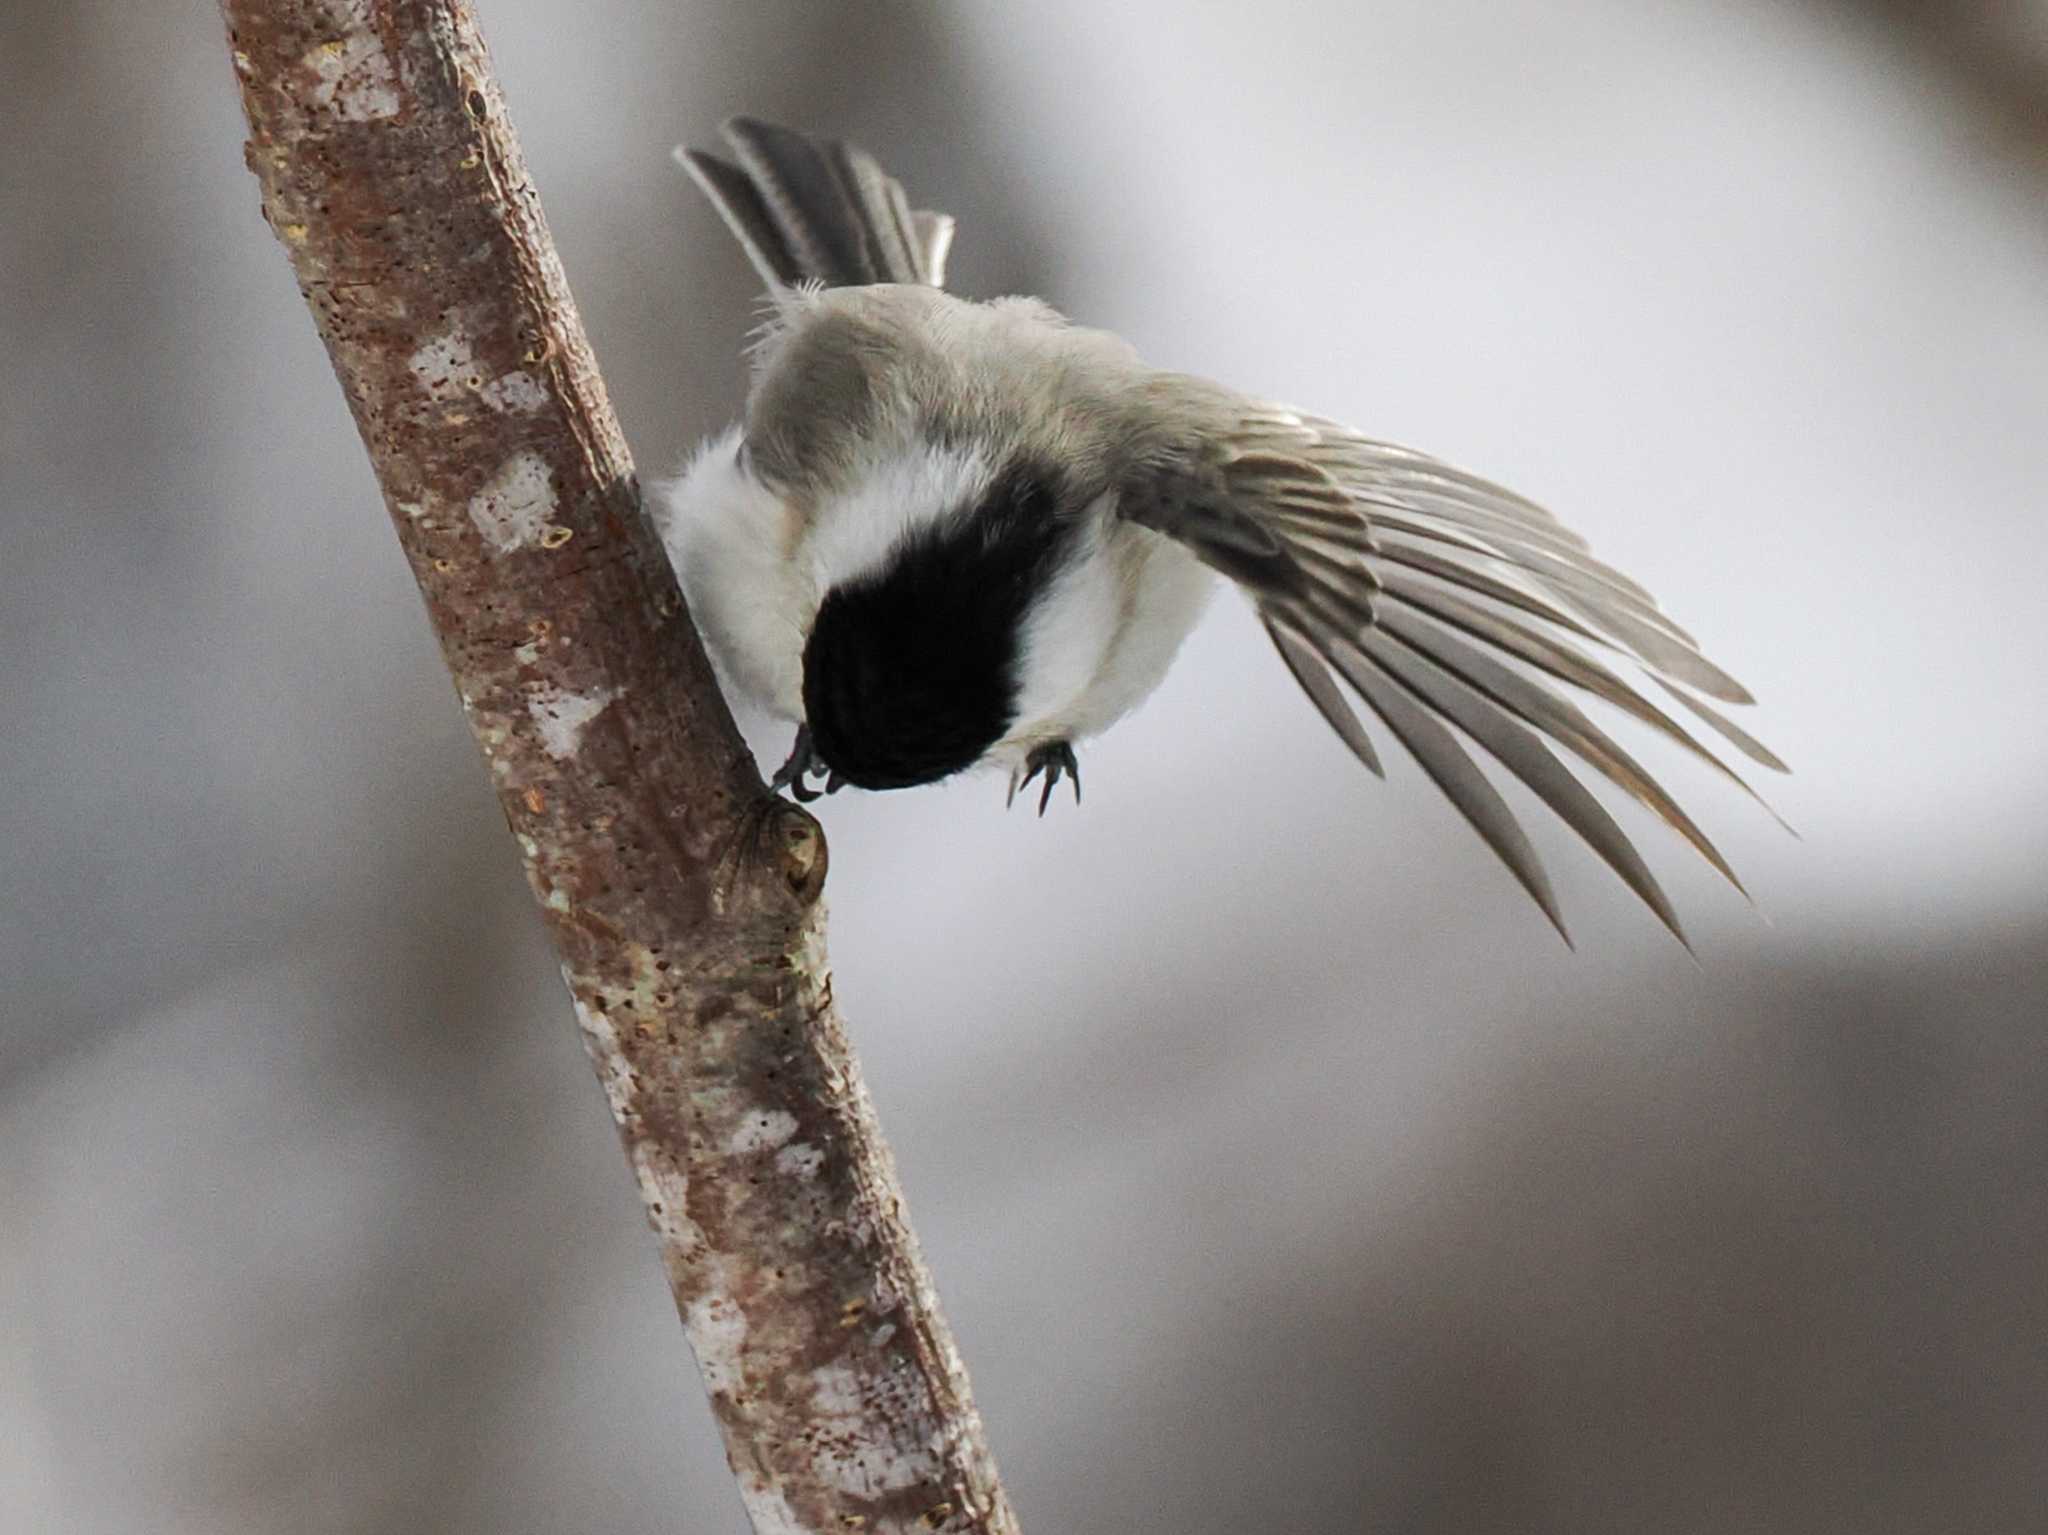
[952, 533]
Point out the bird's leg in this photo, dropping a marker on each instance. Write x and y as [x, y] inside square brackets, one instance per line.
[802, 761]
[1052, 759]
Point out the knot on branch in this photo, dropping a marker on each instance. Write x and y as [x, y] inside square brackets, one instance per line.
[790, 841]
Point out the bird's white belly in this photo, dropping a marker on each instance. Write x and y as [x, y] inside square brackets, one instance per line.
[1104, 639]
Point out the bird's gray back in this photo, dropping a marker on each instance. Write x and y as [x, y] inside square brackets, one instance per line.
[844, 378]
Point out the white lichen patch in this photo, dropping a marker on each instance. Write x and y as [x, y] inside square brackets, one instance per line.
[446, 367]
[353, 78]
[762, 1132]
[516, 504]
[867, 1469]
[643, 999]
[601, 1042]
[520, 392]
[562, 716]
[440, 363]
[856, 1458]
[664, 1187]
[665, 1191]
[717, 1330]
[799, 1161]
[835, 1391]
[768, 1511]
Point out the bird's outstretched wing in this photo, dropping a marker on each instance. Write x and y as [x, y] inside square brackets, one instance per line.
[817, 210]
[1443, 600]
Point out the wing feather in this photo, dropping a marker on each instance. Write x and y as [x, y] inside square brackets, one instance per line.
[1559, 718]
[1655, 644]
[1495, 579]
[1519, 750]
[1432, 500]
[1322, 690]
[1428, 590]
[1582, 671]
[1422, 513]
[1439, 755]
[1741, 739]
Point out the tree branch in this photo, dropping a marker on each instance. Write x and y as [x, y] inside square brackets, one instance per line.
[683, 898]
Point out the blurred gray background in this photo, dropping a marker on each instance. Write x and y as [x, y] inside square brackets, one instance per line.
[1279, 1167]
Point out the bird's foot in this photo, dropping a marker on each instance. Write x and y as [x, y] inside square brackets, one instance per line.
[1052, 759]
[802, 764]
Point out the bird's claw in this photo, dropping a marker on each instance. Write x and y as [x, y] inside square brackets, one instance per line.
[1052, 759]
[803, 763]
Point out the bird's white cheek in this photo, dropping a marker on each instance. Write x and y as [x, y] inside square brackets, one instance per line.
[729, 539]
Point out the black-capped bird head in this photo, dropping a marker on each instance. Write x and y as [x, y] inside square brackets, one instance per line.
[912, 670]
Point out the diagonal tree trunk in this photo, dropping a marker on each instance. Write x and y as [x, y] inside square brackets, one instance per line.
[683, 899]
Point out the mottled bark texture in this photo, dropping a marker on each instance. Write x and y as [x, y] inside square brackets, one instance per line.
[683, 898]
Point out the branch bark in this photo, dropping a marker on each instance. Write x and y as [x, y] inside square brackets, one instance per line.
[684, 900]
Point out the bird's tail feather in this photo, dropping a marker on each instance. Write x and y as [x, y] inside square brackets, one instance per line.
[818, 210]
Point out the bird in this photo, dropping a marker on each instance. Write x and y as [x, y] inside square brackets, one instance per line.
[950, 533]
